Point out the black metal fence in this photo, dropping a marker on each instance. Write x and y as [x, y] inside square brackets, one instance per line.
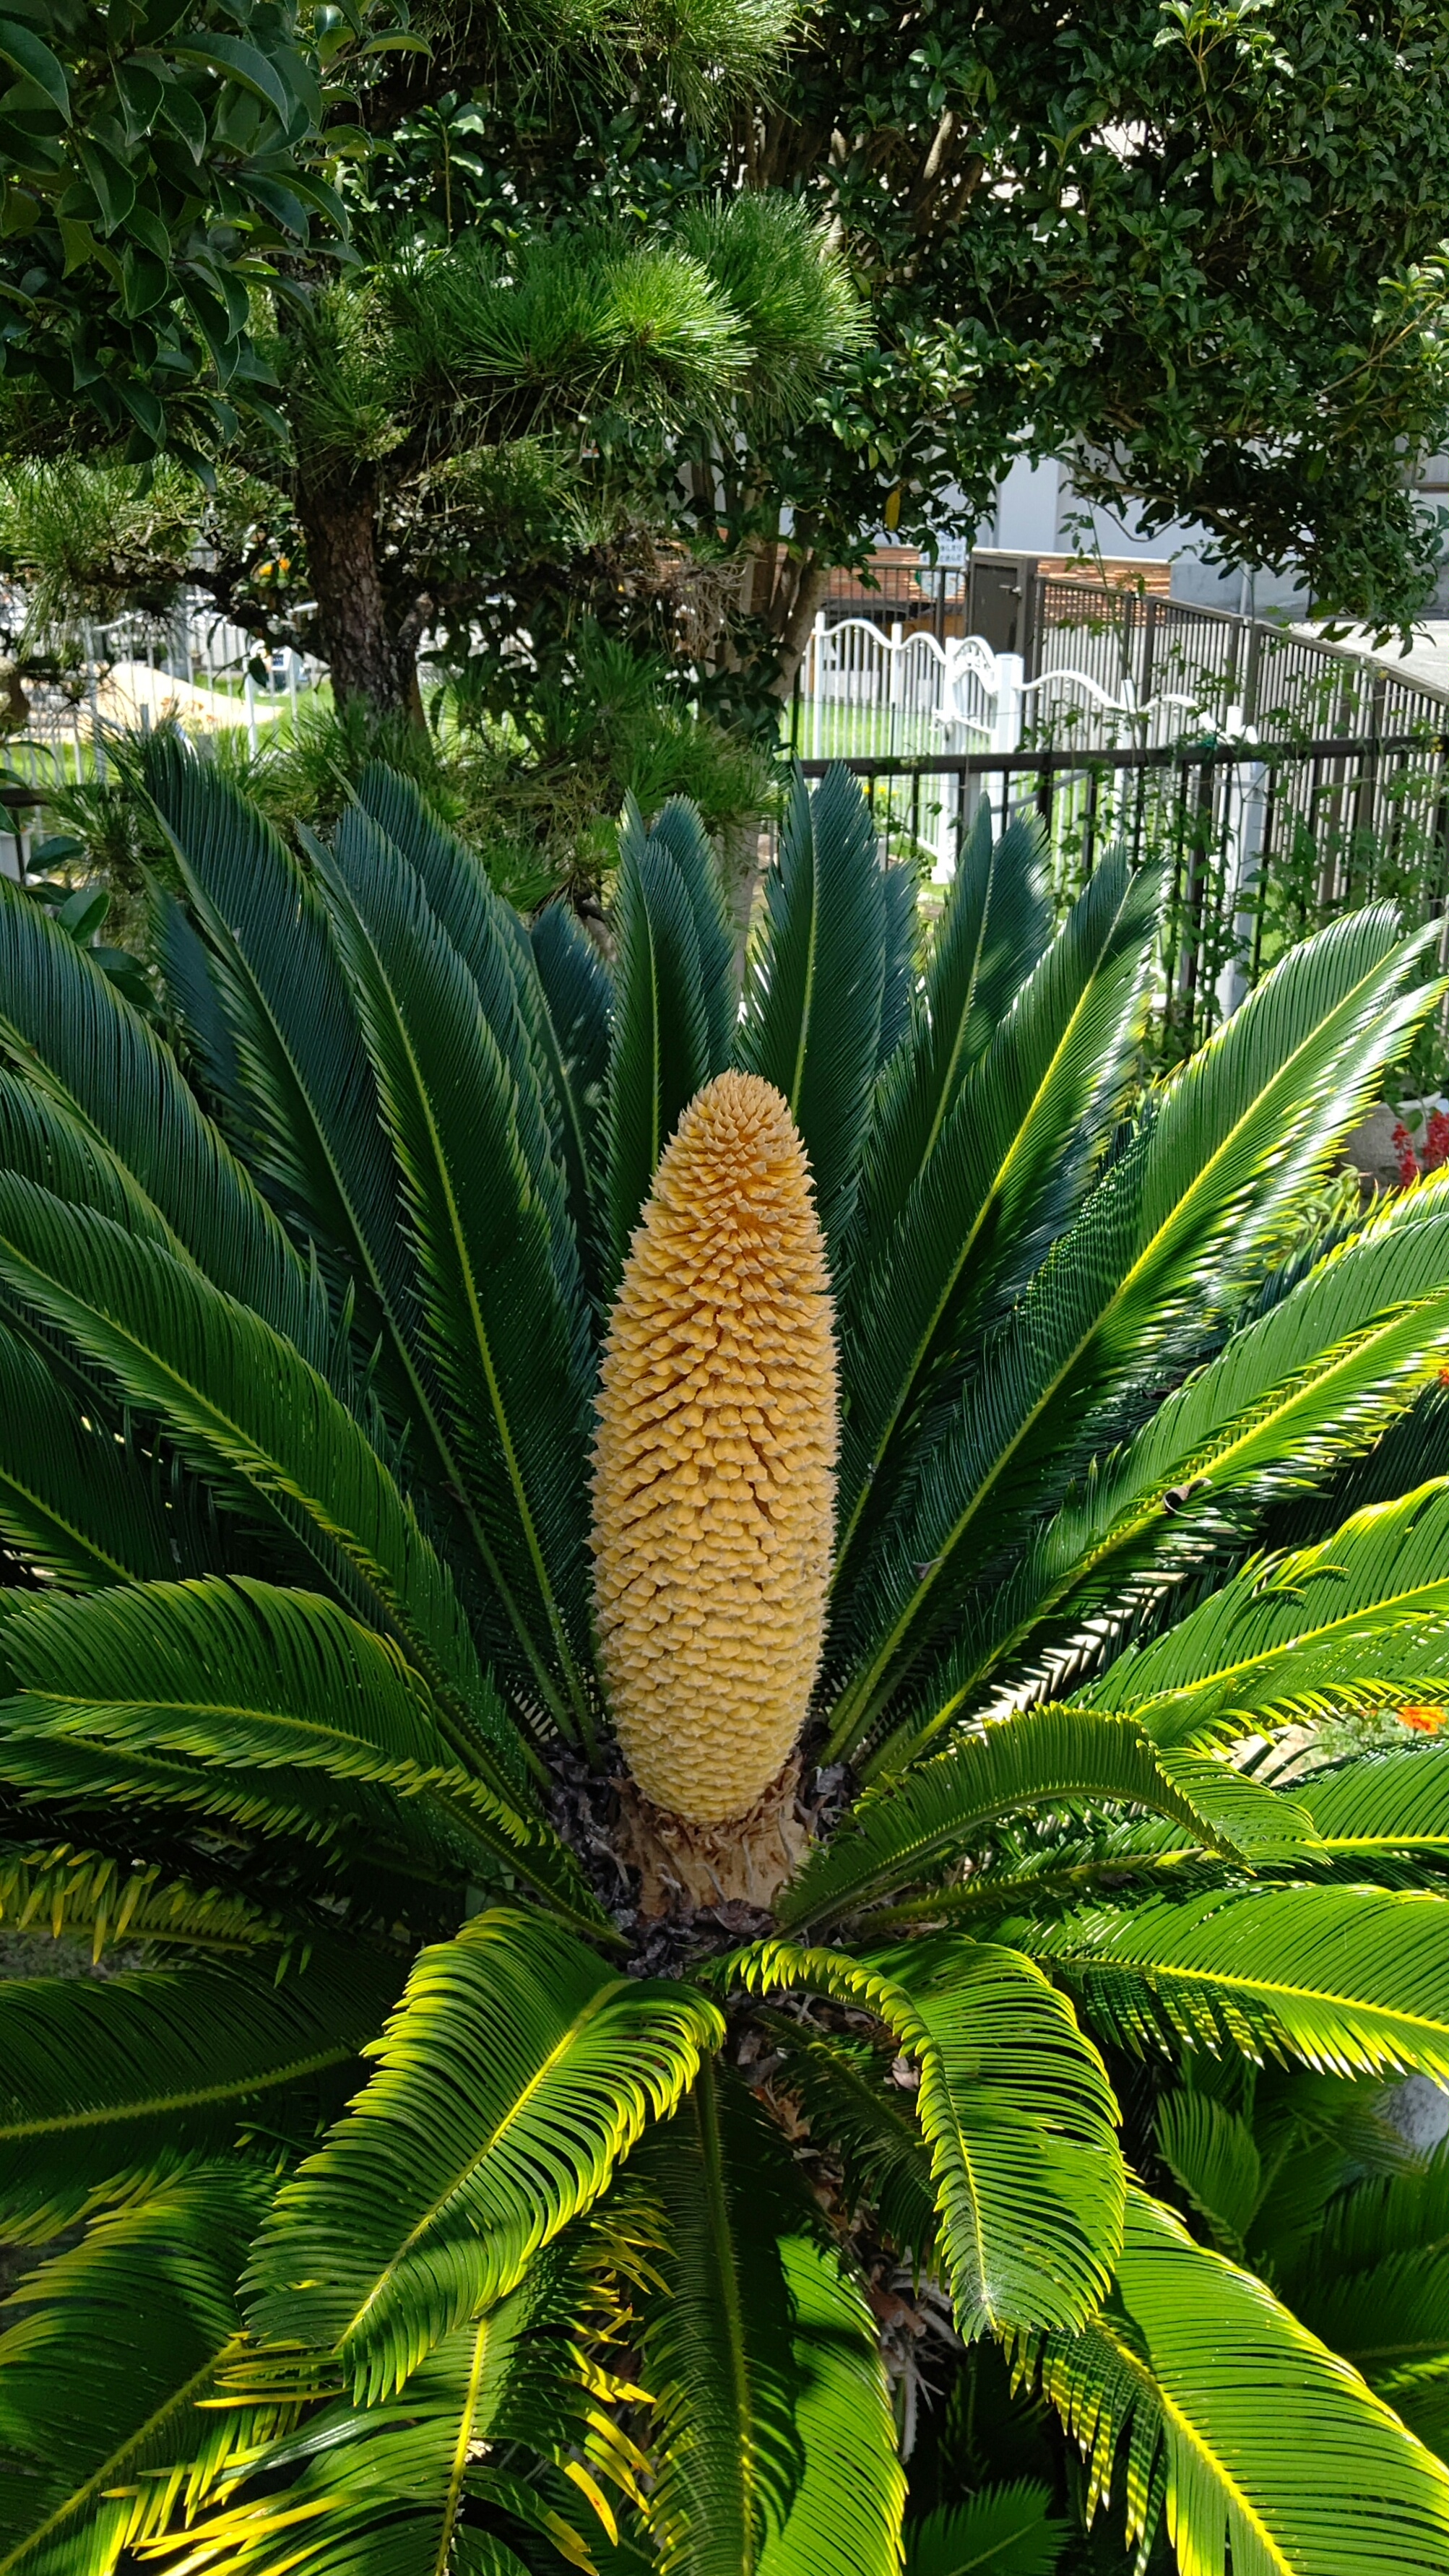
[1260, 844]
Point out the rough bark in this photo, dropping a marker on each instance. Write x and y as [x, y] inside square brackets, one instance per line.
[338, 512]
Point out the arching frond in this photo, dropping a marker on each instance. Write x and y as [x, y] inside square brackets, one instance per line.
[114, 2345]
[1014, 2105]
[74, 1035]
[515, 2073]
[105, 2084]
[917, 1825]
[1313, 1379]
[1164, 1234]
[771, 2435]
[252, 1414]
[1349, 1978]
[815, 984]
[1261, 2445]
[1293, 1633]
[244, 1676]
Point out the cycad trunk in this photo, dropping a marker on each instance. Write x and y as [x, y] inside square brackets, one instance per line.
[714, 1484]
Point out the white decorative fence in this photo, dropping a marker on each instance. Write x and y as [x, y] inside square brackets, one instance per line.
[870, 693]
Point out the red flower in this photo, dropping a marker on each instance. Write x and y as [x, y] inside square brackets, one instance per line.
[1403, 1145]
[1436, 1142]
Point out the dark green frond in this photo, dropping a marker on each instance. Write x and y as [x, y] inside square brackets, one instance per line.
[771, 2434]
[248, 1678]
[513, 2076]
[1212, 2155]
[104, 2083]
[678, 826]
[1158, 1240]
[659, 1055]
[251, 1414]
[993, 928]
[985, 1160]
[902, 960]
[1003, 2531]
[1345, 1978]
[1293, 1393]
[497, 1322]
[1271, 2450]
[814, 989]
[64, 1023]
[112, 2346]
[73, 1500]
[578, 1003]
[490, 940]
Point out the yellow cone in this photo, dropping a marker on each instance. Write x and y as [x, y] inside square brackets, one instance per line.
[714, 1464]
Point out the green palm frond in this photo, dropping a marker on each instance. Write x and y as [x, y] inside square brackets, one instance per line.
[1213, 2156]
[1372, 2278]
[386, 2490]
[771, 2439]
[901, 980]
[310, 1095]
[55, 1891]
[252, 1414]
[515, 2073]
[149, 2299]
[1003, 2531]
[678, 827]
[1348, 1978]
[660, 1051]
[73, 1500]
[1164, 1232]
[1013, 2102]
[495, 1316]
[1293, 1633]
[977, 1163]
[846, 2510]
[489, 938]
[247, 1677]
[65, 1025]
[1395, 1801]
[1295, 1392]
[994, 926]
[1261, 2446]
[104, 2084]
[574, 1033]
[196, 1024]
[816, 983]
[915, 1826]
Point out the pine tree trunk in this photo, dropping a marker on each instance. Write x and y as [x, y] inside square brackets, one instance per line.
[338, 513]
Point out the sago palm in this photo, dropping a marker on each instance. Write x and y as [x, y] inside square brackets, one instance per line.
[632, 1633]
